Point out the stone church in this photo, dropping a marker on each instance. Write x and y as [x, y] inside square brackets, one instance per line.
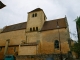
[36, 37]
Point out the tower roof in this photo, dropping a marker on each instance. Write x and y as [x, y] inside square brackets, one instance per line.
[37, 9]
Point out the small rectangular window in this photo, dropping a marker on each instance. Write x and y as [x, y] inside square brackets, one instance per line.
[35, 14]
[56, 44]
[0, 48]
[32, 15]
[36, 28]
[33, 28]
[30, 29]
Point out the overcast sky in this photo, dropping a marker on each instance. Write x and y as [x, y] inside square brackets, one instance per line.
[16, 11]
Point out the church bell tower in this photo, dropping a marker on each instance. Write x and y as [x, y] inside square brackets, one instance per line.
[36, 19]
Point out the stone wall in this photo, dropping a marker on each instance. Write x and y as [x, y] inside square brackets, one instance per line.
[11, 51]
[15, 37]
[37, 21]
[46, 43]
[48, 38]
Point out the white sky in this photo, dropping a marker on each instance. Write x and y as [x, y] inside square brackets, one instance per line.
[16, 11]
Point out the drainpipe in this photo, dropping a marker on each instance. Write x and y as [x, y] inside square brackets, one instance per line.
[59, 40]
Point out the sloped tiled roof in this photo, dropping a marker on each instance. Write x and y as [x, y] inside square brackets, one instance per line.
[37, 9]
[15, 27]
[48, 25]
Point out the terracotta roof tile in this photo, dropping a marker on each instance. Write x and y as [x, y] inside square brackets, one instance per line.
[62, 22]
[37, 9]
[48, 25]
[15, 27]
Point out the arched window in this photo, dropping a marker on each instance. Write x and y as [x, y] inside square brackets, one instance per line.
[30, 29]
[35, 14]
[56, 44]
[33, 28]
[36, 28]
[32, 15]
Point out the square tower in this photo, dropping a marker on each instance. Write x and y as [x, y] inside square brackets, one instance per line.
[36, 19]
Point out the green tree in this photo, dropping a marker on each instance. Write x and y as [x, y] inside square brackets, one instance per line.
[78, 21]
[76, 46]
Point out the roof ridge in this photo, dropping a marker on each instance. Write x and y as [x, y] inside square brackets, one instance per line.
[37, 9]
[16, 24]
[56, 19]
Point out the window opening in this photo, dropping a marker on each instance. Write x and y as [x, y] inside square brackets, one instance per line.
[35, 14]
[36, 28]
[0, 48]
[32, 15]
[30, 29]
[33, 28]
[56, 44]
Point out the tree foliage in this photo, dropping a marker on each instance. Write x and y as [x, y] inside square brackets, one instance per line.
[78, 21]
[76, 48]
